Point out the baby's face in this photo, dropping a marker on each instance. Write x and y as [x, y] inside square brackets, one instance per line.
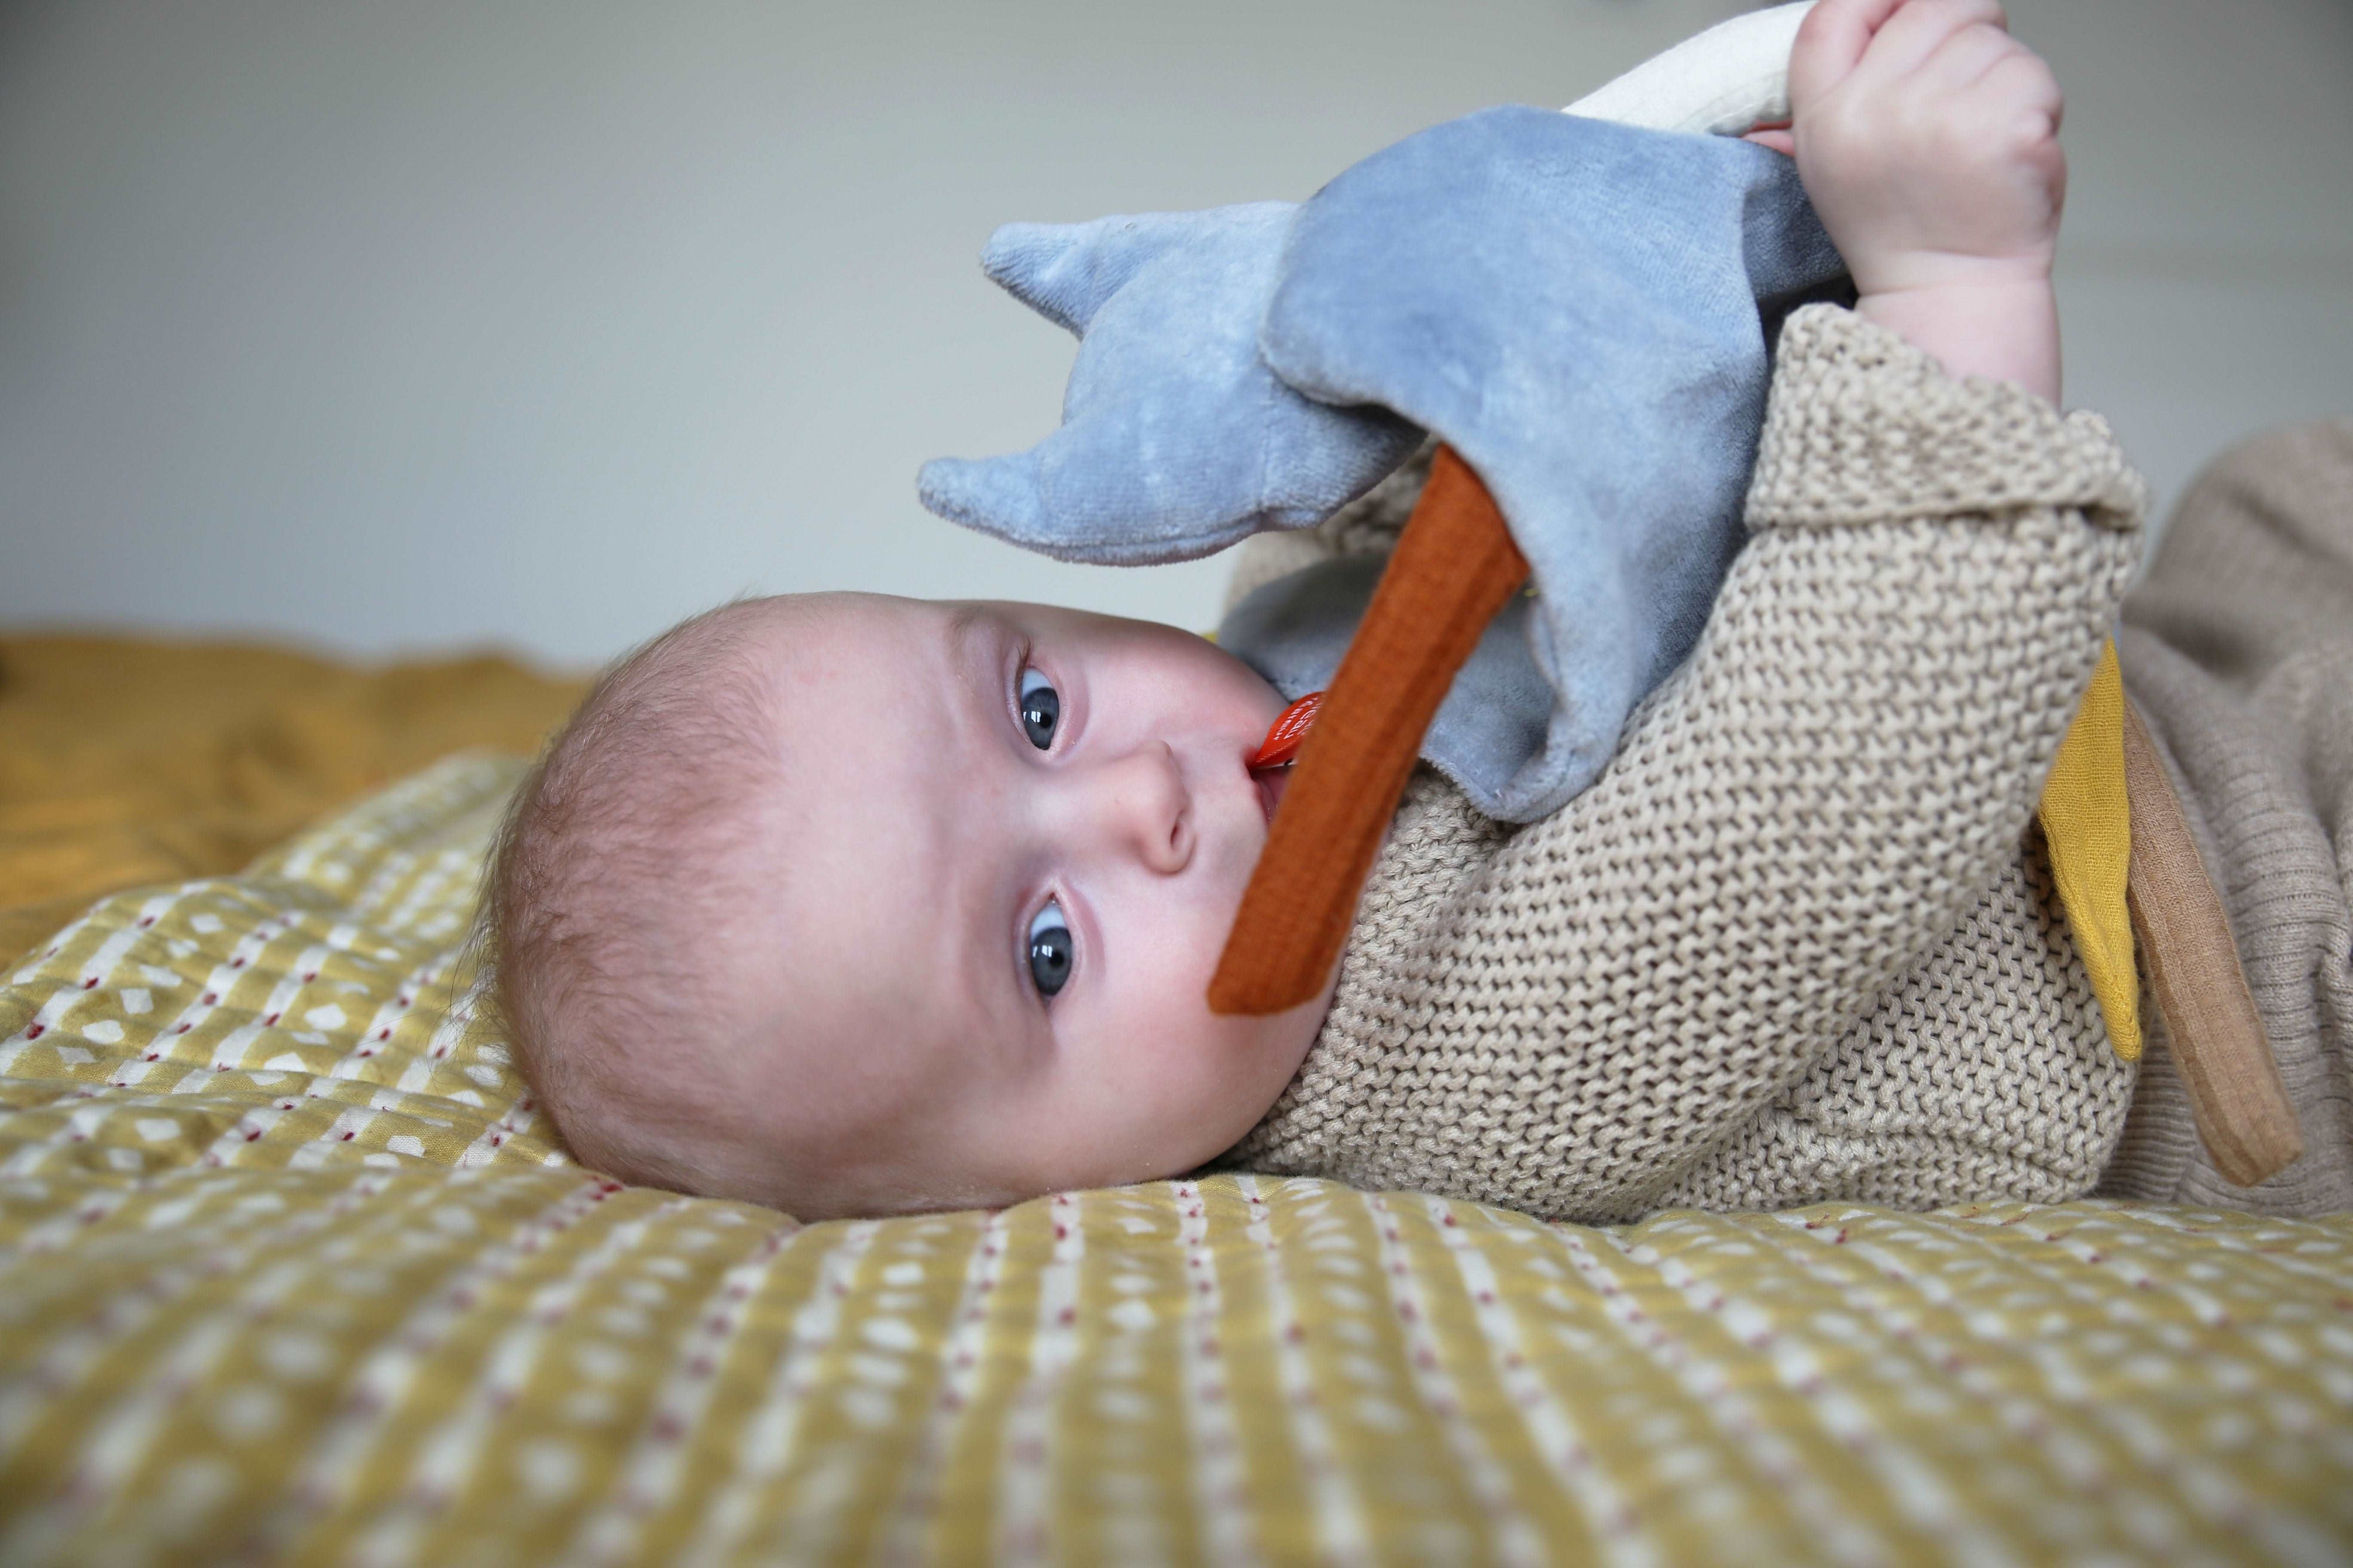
[1009, 844]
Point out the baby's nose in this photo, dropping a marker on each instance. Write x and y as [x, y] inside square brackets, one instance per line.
[1143, 808]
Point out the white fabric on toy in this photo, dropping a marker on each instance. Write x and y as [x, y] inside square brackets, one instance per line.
[1725, 82]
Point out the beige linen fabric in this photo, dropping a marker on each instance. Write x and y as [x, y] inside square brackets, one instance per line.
[2239, 650]
[1788, 948]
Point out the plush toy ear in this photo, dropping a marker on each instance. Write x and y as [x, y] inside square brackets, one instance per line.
[1065, 271]
[999, 495]
[1029, 499]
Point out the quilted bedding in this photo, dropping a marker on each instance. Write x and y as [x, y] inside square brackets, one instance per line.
[289, 1270]
[128, 761]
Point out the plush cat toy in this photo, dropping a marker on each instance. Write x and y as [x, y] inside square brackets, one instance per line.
[1580, 307]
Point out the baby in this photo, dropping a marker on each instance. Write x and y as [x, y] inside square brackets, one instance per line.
[853, 905]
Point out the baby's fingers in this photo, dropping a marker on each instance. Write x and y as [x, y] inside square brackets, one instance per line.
[2023, 81]
[1962, 58]
[2008, 106]
[1922, 27]
[2021, 98]
[1829, 42]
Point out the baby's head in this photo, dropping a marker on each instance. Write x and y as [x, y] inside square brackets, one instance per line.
[857, 905]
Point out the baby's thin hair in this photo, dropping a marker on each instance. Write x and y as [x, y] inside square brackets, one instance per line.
[628, 819]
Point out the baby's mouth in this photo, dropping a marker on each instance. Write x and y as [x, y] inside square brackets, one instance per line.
[1270, 765]
[1271, 783]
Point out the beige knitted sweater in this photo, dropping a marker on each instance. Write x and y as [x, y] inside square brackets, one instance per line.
[2238, 648]
[1798, 941]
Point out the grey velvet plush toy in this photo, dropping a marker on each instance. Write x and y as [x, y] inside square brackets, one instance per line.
[1580, 309]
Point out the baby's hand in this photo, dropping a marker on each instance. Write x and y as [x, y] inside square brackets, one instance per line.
[1927, 138]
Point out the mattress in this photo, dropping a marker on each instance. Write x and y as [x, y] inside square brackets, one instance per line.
[291, 1269]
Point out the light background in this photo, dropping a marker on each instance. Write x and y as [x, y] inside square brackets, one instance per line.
[404, 324]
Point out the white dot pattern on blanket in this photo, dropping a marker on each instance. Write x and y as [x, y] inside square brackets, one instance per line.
[474, 1347]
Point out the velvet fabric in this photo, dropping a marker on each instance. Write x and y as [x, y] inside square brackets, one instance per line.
[1582, 309]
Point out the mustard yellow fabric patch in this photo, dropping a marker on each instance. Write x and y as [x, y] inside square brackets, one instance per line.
[130, 762]
[2087, 827]
[290, 1271]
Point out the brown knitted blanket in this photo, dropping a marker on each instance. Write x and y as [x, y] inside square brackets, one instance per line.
[2239, 649]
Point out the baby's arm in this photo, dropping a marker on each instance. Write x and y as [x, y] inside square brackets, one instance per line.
[1805, 811]
[1928, 139]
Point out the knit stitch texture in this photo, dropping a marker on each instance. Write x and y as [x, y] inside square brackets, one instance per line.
[2238, 649]
[1794, 943]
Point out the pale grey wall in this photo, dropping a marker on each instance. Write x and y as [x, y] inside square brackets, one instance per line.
[399, 323]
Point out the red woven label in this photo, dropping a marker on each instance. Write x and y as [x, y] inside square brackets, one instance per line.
[1289, 729]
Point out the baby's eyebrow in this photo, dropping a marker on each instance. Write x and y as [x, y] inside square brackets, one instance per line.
[974, 640]
[975, 643]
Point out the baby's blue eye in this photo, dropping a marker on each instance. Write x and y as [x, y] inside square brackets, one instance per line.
[1050, 950]
[1042, 710]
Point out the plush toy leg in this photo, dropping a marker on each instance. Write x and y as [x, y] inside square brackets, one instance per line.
[1453, 568]
[2236, 1097]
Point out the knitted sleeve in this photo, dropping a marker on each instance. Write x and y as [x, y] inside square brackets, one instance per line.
[1794, 819]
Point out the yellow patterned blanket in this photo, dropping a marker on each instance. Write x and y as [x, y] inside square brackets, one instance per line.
[129, 761]
[288, 1269]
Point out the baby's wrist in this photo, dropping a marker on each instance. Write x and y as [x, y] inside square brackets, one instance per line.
[2001, 325]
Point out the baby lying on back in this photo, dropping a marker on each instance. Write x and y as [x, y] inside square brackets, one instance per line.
[852, 905]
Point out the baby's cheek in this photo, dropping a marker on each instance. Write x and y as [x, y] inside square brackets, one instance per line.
[1208, 1077]
[1260, 1058]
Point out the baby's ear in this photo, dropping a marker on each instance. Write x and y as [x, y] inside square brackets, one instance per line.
[1065, 271]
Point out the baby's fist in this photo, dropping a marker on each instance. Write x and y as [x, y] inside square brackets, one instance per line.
[1928, 140]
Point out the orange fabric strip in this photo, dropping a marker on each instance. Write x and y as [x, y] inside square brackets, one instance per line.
[1453, 568]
